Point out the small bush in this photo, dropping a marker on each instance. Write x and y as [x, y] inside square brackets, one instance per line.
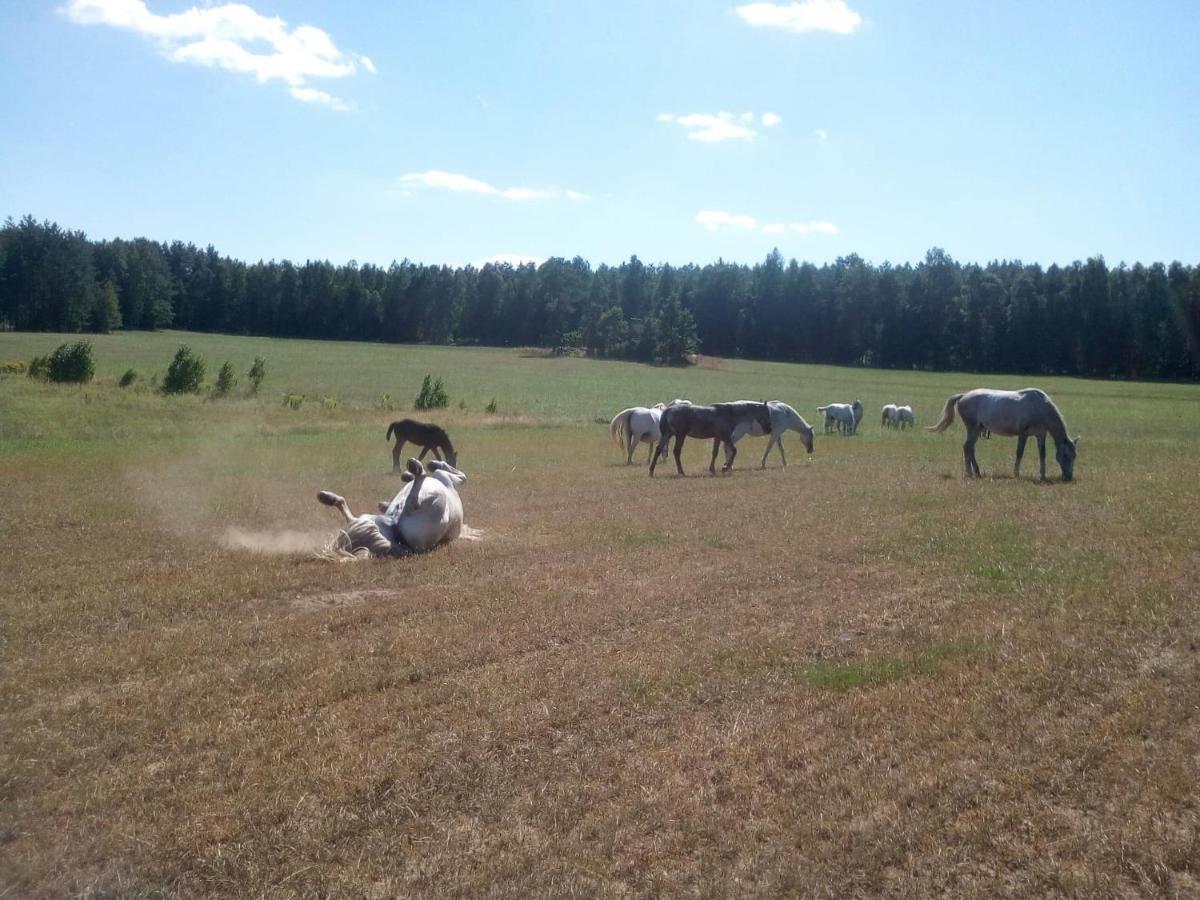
[491, 408]
[258, 371]
[12, 368]
[433, 394]
[384, 402]
[293, 401]
[185, 374]
[226, 381]
[71, 363]
[128, 378]
[328, 402]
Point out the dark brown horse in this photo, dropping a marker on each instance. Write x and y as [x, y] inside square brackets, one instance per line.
[425, 435]
[718, 422]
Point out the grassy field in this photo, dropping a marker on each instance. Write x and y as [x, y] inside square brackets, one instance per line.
[860, 675]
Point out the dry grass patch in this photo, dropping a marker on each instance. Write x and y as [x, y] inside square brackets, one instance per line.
[852, 677]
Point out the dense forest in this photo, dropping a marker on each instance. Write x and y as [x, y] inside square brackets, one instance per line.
[1140, 321]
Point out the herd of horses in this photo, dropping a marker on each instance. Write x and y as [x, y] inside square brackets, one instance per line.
[428, 511]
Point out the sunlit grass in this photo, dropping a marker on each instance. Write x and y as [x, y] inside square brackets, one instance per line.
[860, 675]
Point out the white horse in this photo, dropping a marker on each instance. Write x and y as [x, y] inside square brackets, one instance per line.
[904, 417]
[427, 512]
[890, 418]
[1019, 414]
[638, 425]
[783, 417]
[844, 416]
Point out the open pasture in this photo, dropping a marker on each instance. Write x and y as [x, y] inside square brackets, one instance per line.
[857, 676]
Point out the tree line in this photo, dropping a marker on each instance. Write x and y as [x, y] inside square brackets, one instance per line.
[1086, 318]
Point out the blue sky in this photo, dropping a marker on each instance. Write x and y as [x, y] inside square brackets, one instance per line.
[465, 131]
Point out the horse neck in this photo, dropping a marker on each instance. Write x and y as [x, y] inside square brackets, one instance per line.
[448, 448]
[1055, 424]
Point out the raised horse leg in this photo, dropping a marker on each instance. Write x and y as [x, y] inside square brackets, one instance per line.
[1021, 439]
[329, 498]
[1041, 439]
[396, 454]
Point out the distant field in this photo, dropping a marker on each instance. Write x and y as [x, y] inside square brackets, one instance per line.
[859, 675]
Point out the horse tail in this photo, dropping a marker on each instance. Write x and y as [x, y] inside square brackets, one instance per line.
[618, 428]
[822, 409]
[947, 414]
[391, 428]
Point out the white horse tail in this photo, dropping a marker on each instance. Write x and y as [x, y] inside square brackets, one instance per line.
[618, 428]
[947, 414]
[822, 409]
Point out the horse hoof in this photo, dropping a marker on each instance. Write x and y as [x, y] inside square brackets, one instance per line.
[329, 498]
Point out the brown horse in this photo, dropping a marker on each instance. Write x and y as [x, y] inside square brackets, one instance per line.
[425, 435]
[718, 422]
[1020, 414]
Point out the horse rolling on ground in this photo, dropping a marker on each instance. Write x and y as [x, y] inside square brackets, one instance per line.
[783, 417]
[635, 425]
[718, 422]
[425, 435]
[425, 513]
[1020, 414]
[844, 416]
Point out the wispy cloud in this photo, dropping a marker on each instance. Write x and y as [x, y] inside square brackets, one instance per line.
[810, 15]
[710, 128]
[714, 219]
[820, 134]
[464, 184]
[232, 36]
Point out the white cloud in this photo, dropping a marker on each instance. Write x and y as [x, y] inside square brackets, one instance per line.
[509, 259]
[810, 15]
[709, 128]
[770, 119]
[821, 134]
[230, 36]
[464, 184]
[712, 219]
[312, 95]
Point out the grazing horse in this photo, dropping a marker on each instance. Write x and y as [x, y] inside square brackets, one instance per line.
[425, 435]
[783, 417]
[890, 417]
[905, 417]
[1020, 414]
[426, 512]
[845, 416]
[719, 422]
[635, 425]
